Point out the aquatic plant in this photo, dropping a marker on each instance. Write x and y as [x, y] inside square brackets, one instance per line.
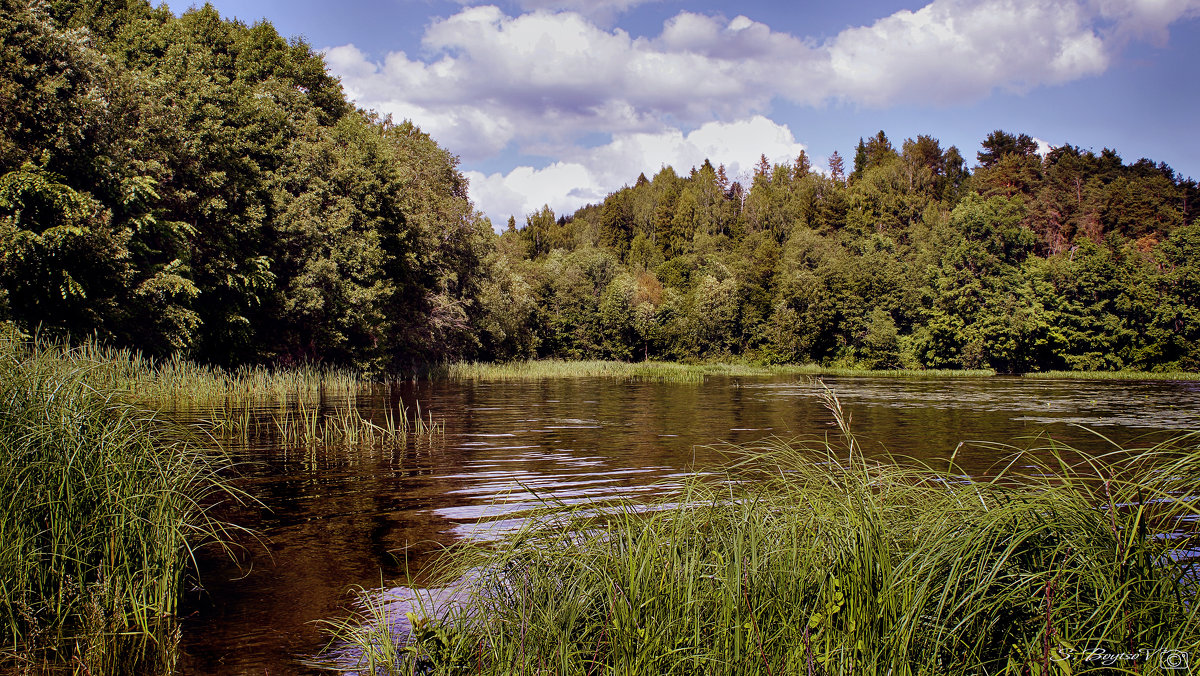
[101, 504]
[307, 424]
[810, 558]
[1114, 375]
[653, 371]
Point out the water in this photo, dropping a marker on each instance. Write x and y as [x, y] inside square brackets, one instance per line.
[333, 520]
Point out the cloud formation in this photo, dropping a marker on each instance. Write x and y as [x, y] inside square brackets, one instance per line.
[491, 79]
[540, 81]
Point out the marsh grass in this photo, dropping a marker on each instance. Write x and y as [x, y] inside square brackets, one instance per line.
[651, 371]
[1113, 375]
[808, 558]
[101, 504]
[178, 383]
[305, 423]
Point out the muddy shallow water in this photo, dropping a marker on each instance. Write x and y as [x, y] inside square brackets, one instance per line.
[332, 520]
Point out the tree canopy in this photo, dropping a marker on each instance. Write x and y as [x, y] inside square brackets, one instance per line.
[199, 186]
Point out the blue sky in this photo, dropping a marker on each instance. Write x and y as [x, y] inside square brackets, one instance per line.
[560, 102]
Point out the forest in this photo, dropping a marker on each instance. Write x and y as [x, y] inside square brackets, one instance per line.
[194, 186]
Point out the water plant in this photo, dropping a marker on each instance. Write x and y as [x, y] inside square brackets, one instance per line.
[655, 371]
[1115, 375]
[306, 423]
[805, 557]
[101, 504]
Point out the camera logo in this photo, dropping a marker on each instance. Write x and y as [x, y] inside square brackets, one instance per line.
[1173, 659]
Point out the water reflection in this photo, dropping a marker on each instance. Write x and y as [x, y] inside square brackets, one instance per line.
[335, 518]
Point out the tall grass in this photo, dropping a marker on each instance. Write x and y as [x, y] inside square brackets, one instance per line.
[651, 371]
[101, 503]
[1114, 375]
[305, 424]
[177, 382]
[810, 559]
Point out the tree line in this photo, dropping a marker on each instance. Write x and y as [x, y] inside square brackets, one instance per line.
[1071, 260]
[201, 187]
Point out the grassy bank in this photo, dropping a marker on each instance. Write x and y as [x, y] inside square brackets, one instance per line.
[101, 502]
[651, 371]
[809, 559]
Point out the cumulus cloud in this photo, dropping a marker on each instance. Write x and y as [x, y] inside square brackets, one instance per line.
[951, 51]
[543, 76]
[487, 80]
[586, 175]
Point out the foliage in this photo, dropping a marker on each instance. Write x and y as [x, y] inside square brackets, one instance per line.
[1031, 263]
[192, 185]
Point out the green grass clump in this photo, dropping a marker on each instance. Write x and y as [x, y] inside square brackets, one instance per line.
[810, 559]
[101, 503]
[305, 424]
[1114, 375]
[653, 371]
[179, 383]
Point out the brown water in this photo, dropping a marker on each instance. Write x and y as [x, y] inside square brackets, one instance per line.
[332, 520]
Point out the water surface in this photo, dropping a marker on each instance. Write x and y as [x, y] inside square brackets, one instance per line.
[335, 519]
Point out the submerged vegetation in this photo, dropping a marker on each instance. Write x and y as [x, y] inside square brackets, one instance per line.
[812, 559]
[102, 503]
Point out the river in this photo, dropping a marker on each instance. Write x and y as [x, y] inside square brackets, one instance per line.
[334, 519]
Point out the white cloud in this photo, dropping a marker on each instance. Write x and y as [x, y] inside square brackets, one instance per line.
[540, 82]
[951, 51]
[544, 76]
[587, 175]
[489, 79]
[1135, 19]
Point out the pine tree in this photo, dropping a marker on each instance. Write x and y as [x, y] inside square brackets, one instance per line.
[837, 169]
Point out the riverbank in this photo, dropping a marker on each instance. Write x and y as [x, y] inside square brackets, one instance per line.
[810, 558]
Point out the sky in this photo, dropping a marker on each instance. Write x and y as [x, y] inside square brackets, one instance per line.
[561, 102]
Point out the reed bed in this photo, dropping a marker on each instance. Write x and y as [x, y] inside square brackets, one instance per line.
[101, 504]
[177, 382]
[307, 424]
[809, 558]
[651, 371]
[1114, 375]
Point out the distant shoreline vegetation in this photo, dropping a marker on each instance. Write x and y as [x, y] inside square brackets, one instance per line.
[671, 371]
[678, 372]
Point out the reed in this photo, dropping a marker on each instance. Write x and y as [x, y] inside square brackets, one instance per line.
[306, 424]
[179, 383]
[807, 558]
[1114, 375]
[101, 504]
[651, 371]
